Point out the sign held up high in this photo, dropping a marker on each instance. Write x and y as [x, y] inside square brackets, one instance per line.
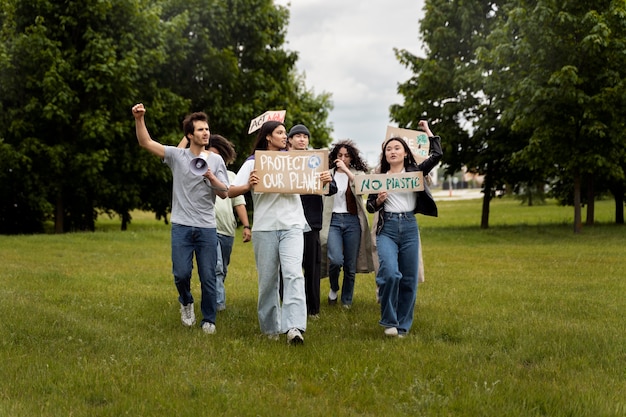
[292, 172]
[416, 139]
[257, 122]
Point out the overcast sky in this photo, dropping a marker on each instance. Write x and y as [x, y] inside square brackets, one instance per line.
[345, 48]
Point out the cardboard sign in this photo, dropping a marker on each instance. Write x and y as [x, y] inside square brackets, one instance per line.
[391, 183]
[292, 172]
[416, 139]
[256, 123]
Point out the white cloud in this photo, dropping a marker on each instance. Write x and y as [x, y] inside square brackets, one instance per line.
[345, 48]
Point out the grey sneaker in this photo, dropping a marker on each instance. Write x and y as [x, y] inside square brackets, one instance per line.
[391, 332]
[208, 328]
[187, 315]
[294, 337]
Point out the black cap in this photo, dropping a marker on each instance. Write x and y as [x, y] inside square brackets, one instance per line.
[299, 129]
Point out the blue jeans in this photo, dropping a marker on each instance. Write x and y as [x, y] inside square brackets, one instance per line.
[275, 251]
[224, 249]
[186, 241]
[398, 246]
[344, 238]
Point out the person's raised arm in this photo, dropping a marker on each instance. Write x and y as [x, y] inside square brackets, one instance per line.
[143, 137]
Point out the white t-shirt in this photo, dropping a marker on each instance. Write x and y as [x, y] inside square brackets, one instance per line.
[400, 202]
[339, 202]
[272, 211]
[226, 221]
[192, 199]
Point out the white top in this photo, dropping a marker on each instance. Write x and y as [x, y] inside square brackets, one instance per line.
[273, 211]
[192, 199]
[400, 202]
[339, 202]
[226, 221]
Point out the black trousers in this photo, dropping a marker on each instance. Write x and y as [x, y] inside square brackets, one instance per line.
[311, 264]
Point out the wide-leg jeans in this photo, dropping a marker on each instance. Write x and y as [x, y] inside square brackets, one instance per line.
[275, 251]
[398, 254]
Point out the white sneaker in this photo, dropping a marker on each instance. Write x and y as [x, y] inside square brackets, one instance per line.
[208, 328]
[187, 315]
[295, 337]
[391, 332]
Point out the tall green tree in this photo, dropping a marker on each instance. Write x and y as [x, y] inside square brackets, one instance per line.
[566, 63]
[70, 72]
[453, 89]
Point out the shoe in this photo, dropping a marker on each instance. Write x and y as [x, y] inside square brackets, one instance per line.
[273, 337]
[294, 337]
[402, 335]
[187, 316]
[221, 307]
[391, 332]
[346, 306]
[208, 328]
[332, 298]
[314, 316]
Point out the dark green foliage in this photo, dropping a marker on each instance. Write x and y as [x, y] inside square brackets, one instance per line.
[70, 72]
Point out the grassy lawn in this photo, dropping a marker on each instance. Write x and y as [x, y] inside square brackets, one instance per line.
[522, 319]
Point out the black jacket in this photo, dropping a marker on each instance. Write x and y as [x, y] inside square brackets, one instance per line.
[425, 203]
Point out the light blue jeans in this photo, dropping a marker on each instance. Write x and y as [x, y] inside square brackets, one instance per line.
[186, 241]
[224, 249]
[344, 238]
[275, 251]
[398, 247]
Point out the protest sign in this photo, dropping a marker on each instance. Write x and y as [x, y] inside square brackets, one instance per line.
[416, 139]
[256, 123]
[391, 183]
[292, 172]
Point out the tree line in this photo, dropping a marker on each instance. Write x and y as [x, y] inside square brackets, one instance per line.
[528, 93]
[70, 72]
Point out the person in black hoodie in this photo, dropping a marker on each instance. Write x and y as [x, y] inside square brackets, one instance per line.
[298, 140]
[397, 237]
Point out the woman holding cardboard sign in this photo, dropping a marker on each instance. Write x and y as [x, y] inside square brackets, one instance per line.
[345, 230]
[397, 236]
[277, 237]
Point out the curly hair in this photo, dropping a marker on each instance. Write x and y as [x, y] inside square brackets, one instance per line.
[356, 161]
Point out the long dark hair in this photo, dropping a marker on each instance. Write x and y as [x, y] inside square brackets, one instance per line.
[408, 160]
[260, 144]
[356, 161]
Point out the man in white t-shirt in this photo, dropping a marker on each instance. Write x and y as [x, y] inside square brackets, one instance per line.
[193, 213]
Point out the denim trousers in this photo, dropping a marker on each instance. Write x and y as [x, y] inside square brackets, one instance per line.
[224, 249]
[187, 240]
[275, 252]
[398, 246]
[344, 238]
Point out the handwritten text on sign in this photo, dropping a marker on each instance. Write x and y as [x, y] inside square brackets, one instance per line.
[257, 122]
[292, 172]
[391, 183]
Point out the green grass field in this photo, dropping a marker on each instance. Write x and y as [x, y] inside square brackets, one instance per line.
[525, 318]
